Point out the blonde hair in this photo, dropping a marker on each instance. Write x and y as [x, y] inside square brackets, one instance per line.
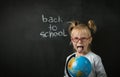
[90, 26]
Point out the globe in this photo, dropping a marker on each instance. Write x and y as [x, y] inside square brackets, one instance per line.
[79, 67]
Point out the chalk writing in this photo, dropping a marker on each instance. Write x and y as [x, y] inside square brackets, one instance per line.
[51, 19]
[52, 29]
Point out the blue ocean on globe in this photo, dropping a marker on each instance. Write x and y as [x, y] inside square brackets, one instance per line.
[79, 67]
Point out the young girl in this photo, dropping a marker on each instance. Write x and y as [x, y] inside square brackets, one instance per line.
[81, 38]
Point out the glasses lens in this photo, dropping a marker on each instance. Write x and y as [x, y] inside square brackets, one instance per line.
[83, 39]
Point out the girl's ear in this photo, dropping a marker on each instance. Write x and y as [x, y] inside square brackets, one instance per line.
[90, 40]
[70, 43]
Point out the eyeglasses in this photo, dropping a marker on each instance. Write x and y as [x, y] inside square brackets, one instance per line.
[83, 39]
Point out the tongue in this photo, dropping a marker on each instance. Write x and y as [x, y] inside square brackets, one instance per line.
[80, 49]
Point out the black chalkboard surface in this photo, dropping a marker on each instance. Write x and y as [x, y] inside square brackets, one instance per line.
[34, 41]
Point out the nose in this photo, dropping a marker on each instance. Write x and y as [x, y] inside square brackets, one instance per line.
[79, 41]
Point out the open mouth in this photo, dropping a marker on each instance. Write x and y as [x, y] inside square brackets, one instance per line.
[80, 48]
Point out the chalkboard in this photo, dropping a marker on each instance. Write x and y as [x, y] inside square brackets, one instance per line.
[34, 40]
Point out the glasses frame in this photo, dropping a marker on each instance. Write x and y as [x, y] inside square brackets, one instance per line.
[83, 39]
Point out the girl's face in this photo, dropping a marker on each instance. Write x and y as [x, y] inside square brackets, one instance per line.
[81, 40]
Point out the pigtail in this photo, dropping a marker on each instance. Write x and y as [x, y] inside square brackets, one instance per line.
[92, 26]
[72, 25]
